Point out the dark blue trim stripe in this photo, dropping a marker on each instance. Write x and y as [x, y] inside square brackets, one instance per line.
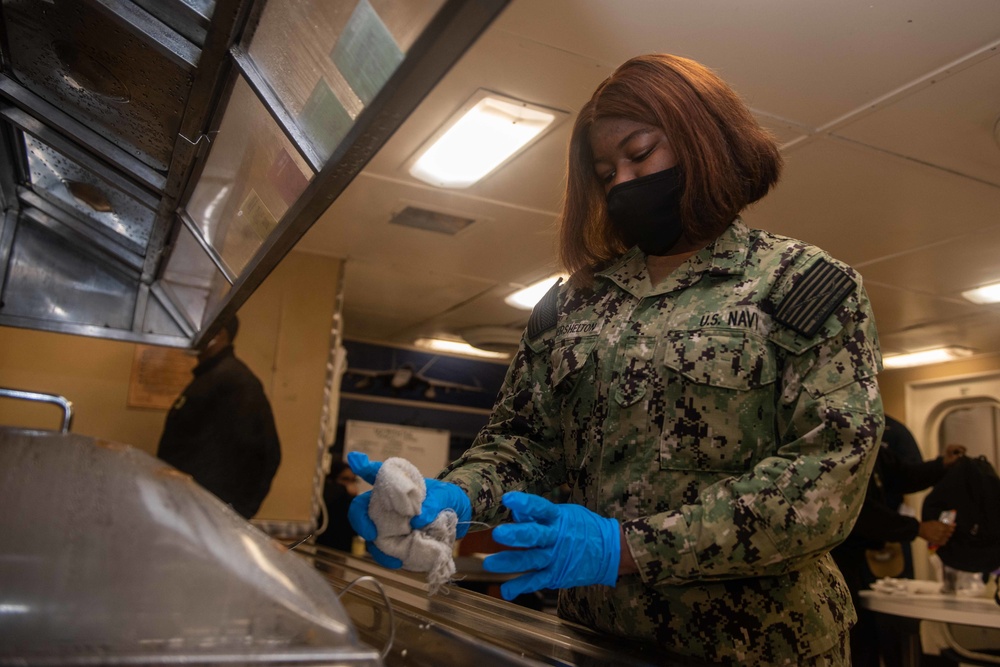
[545, 314]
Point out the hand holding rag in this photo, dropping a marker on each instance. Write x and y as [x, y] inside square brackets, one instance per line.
[408, 521]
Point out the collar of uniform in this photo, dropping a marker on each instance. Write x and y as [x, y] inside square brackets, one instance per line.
[725, 256]
[729, 251]
[629, 272]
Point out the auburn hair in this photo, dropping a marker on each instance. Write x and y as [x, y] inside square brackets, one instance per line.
[727, 160]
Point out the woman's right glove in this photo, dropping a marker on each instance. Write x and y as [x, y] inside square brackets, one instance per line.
[440, 496]
[559, 546]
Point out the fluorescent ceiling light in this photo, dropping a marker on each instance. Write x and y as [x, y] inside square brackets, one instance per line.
[486, 132]
[924, 357]
[985, 294]
[457, 347]
[526, 298]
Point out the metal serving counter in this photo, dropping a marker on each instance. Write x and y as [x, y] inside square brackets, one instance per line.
[462, 628]
[110, 556]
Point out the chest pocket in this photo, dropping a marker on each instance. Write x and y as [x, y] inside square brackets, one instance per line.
[637, 370]
[572, 381]
[569, 356]
[719, 400]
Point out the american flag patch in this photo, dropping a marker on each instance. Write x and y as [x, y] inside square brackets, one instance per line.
[545, 314]
[818, 292]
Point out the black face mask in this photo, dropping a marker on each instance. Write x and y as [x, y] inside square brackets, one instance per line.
[647, 210]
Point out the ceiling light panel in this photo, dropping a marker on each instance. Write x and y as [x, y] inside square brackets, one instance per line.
[525, 299]
[925, 357]
[457, 347]
[985, 294]
[485, 133]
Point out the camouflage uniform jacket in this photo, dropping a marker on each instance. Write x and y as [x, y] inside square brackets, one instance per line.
[727, 417]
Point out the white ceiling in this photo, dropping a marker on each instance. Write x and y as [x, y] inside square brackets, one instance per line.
[886, 112]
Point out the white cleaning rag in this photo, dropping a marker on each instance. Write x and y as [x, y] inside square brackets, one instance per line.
[397, 497]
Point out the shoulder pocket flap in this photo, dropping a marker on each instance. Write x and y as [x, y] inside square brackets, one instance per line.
[727, 359]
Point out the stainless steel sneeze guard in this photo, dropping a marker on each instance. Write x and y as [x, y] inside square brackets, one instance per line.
[110, 556]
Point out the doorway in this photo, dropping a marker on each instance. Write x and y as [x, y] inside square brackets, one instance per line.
[974, 425]
[963, 410]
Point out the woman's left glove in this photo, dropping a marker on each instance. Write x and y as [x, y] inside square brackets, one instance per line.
[440, 496]
[563, 546]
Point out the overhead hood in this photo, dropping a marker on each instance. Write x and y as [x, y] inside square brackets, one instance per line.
[160, 157]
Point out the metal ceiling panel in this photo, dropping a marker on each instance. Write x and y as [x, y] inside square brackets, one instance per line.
[189, 277]
[91, 239]
[109, 64]
[914, 127]
[946, 269]
[94, 94]
[190, 18]
[49, 280]
[92, 197]
[809, 61]
[159, 316]
[812, 202]
[39, 118]
[358, 226]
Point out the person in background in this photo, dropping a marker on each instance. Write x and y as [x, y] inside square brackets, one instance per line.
[221, 431]
[339, 489]
[879, 538]
[707, 390]
[901, 442]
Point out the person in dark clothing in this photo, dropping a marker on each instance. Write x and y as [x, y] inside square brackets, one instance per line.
[879, 523]
[221, 431]
[339, 490]
[900, 442]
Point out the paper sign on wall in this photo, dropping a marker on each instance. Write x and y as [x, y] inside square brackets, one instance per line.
[159, 375]
[426, 448]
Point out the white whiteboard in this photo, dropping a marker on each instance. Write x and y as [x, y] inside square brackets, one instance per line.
[426, 448]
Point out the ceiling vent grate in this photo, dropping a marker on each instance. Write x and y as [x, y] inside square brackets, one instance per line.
[433, 221]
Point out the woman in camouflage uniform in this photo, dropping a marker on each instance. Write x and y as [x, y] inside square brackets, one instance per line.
[706, 390]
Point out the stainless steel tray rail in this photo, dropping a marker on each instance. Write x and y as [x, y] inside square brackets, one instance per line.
[67, 406]
[463, 628]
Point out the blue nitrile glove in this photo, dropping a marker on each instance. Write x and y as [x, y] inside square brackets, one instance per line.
[444, 496]
[440, 496]
[357, 513]
[564, 546]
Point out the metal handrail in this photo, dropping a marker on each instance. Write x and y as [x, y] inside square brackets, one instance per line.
[66, 405]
